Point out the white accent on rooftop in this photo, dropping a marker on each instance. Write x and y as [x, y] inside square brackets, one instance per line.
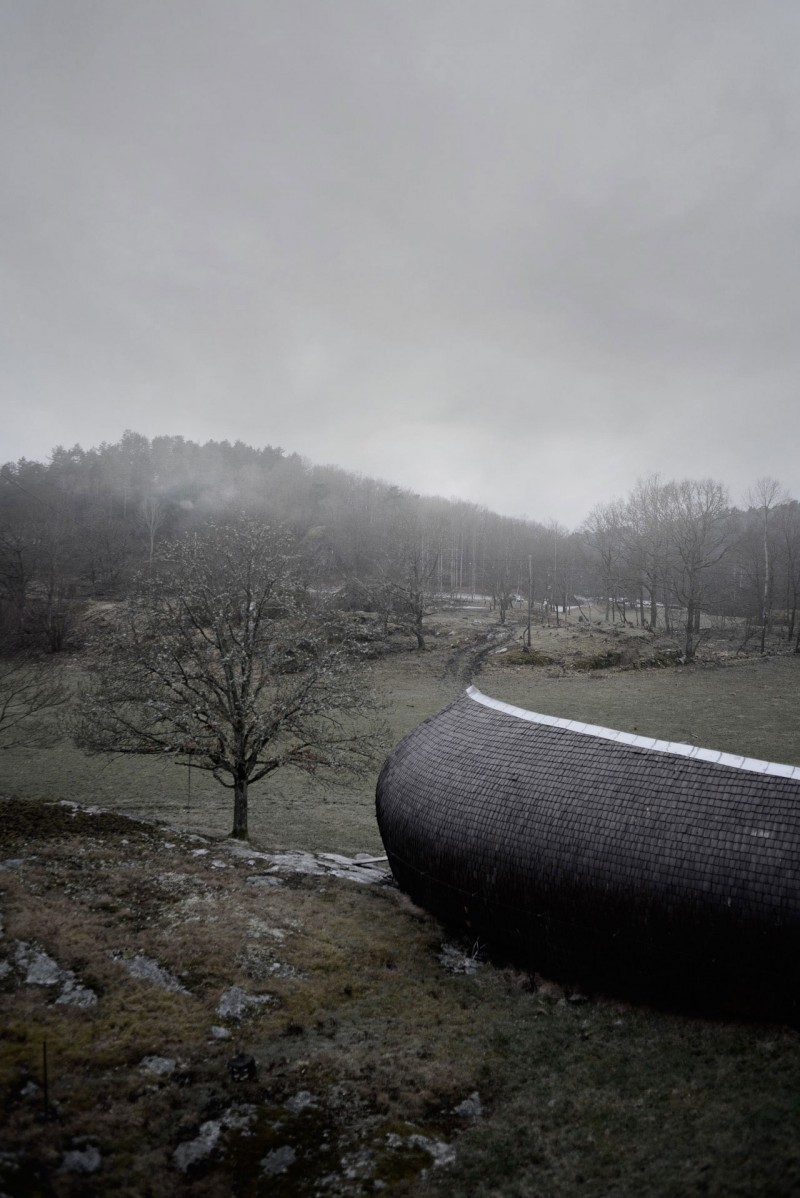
[751, 764]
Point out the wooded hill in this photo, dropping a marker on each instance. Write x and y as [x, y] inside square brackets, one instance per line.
[80, 526]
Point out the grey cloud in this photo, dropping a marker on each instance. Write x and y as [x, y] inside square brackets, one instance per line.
[522, 252]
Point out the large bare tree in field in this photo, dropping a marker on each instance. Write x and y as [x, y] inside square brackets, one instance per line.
[224, 662]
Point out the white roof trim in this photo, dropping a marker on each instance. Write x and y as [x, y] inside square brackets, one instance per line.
[751, 764]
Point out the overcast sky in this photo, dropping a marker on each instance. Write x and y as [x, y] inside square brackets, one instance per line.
[517, 251]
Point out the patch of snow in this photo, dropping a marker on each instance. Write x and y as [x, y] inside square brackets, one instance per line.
[296, 863]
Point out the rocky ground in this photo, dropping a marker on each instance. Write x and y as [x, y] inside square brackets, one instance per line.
[181, 1012]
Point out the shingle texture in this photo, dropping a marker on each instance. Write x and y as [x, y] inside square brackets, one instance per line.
[586, 853]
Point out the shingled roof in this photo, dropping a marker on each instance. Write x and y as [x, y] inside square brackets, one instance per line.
[596, 854]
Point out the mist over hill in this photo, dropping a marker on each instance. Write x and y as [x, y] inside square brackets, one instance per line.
[80, 526]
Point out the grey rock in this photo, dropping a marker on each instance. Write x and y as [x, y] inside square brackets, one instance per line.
[220, 1033]
[235, 1002]
[278, 1161]
[160, 1066]
[75, 995]
[470, 1108]
[240, 1117]
[455, 960]
[81, 1160]
[190, 1152]
[145, 969]
[41, 969]
[303, 1100]
[441, 1153]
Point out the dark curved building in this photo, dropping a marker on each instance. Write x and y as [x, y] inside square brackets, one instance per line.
[600, 856]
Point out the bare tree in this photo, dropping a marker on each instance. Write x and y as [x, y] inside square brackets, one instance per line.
[698, 515]
[765, 495]
[226, 664]
[604, 531]
[153, 513]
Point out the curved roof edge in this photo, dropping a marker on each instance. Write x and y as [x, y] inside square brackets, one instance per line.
[752, 764]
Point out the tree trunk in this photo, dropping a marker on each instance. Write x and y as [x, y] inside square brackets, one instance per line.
[688, 647]
[653, 609]
[240, 809]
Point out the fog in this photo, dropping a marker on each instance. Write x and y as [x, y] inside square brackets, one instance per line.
[519, 253]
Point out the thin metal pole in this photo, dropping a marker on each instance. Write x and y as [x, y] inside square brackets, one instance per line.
[45, 1082]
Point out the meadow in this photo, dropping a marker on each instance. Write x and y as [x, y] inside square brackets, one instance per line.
[740, 704]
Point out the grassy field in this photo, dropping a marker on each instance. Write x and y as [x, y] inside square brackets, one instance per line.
[741, 705]
[368, 1048]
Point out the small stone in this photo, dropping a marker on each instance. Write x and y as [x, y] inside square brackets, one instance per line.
[239, 1118]
[455, 960]
[471, 1107]
[145, 969]
[442, 1154]
[304, 1100]
[235, 1002]
[278, 1161]
[42, 970]
[77, 996]
[191, 1151]
[220, 1033]
[81, 1160]
[160, 1066]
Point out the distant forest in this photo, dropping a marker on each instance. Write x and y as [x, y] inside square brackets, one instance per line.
[671, 555]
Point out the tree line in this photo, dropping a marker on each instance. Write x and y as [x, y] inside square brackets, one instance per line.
[673, 554]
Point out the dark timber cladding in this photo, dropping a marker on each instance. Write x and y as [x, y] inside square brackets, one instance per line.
[597, 854]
